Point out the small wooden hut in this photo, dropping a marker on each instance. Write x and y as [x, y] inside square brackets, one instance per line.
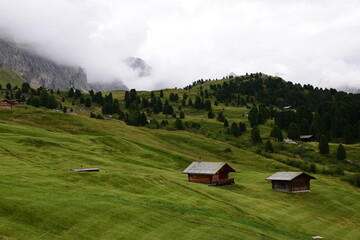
[211, 173]
[291, 181]
[6, 104]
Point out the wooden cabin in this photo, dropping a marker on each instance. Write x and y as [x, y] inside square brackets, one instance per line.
[291, 181]
[307, 138]
[211, 173]
[6, 104]
[86, 170]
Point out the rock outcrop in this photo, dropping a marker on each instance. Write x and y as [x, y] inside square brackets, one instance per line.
[39, 71]
[139, 65]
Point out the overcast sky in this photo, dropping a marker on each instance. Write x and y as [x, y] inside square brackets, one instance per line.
[302, 41]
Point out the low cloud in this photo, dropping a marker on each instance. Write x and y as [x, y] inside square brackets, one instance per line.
[302, 41]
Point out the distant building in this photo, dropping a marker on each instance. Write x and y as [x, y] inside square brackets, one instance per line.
[211, 173]
[291, 181]
[286, 108]
[86, 170]
[307, 138]
[288, 140]
[18, 101]
[6, 104]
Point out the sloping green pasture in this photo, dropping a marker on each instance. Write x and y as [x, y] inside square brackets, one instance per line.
[140, 192]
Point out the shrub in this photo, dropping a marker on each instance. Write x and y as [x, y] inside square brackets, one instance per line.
[227, 149]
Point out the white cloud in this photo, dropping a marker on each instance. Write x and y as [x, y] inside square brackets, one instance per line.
[304, 41]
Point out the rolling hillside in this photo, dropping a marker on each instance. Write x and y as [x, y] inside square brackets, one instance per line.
[8, 76]
[140, 192]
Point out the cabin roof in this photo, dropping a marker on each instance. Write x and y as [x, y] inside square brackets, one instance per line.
[86, 169]
[306, 136]
[5, 100]
[206, 168]
[286, 176]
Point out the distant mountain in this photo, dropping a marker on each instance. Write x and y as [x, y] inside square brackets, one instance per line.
[232, 74]
[349, 90]
[40, 71]
[139, 65]
[109, 86]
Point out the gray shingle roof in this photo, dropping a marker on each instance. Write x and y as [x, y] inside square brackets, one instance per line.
[286, 176]
[206, 168]
[306, 136]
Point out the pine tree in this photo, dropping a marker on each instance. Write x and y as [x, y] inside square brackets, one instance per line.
[190, 103]
[8, 86]
[221, 117]
[242, 128]
[71, 93]
[277, 134]
[179, 124]
[88, 103]
[226, 123]
[348, 134]
[323, 145]
[269, 148]
[172, 97]
[234, 130]
[161, 93]
[207, 105]
[294, 131]
[182, 115]
[156, 109]
[51, 102]
[340, 153]
[211, 114]
[255, 136]
[44, 96]
[142, 120]
[197, 104]
[253, 118]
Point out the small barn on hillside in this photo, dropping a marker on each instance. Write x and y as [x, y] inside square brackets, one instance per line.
[6, 104]
[291, 181]
[211, 173]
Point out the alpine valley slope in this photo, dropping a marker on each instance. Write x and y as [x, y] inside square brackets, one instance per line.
[140, 192]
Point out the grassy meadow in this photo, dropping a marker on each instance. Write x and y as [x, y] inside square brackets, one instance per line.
[7, 76]
[141, 193]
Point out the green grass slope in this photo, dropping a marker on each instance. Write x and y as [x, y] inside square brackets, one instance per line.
[140, 192]
[8, 76]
